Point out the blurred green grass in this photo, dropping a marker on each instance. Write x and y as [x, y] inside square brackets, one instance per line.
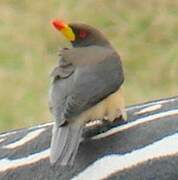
[145, 33]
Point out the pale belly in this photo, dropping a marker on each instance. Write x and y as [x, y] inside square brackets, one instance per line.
[110, 108]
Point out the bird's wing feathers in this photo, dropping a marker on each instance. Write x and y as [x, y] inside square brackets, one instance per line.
[62, 73]
[63, 70]
[92, 84]
[60, 89]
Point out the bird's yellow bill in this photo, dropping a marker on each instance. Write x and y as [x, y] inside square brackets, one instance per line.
[64, 28]
[68, 33]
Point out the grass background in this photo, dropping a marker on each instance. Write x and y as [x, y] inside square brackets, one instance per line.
[145, 33]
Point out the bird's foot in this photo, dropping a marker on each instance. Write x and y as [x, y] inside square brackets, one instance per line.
[103, 126]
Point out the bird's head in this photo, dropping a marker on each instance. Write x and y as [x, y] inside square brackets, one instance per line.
[81, 35]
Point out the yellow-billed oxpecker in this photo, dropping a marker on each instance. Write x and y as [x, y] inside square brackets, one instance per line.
[86, 86]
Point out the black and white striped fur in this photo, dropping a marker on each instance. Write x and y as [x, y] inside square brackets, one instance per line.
[146, 148]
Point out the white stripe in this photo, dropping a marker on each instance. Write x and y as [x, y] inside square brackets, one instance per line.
[2, 140]
[108, 165]
[149, 109]
[6, 164]
[136, 123]
[31, 128]
[29, 137]
[7, 134]
[42, 125]
[152, 103]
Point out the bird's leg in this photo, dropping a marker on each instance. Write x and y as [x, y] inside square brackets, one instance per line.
[91, 130]
[103, 126]
[118, 121]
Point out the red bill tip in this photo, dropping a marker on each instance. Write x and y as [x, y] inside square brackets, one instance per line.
[58, 24]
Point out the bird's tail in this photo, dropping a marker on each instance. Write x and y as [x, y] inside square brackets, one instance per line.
[65, 142]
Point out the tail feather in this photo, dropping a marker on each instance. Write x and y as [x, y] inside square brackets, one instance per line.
[75, 151]
[72, 148]
[65, 142]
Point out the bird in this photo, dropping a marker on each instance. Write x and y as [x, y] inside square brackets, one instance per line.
[86, 86]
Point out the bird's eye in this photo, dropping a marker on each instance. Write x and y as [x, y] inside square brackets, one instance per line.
[82, 34]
